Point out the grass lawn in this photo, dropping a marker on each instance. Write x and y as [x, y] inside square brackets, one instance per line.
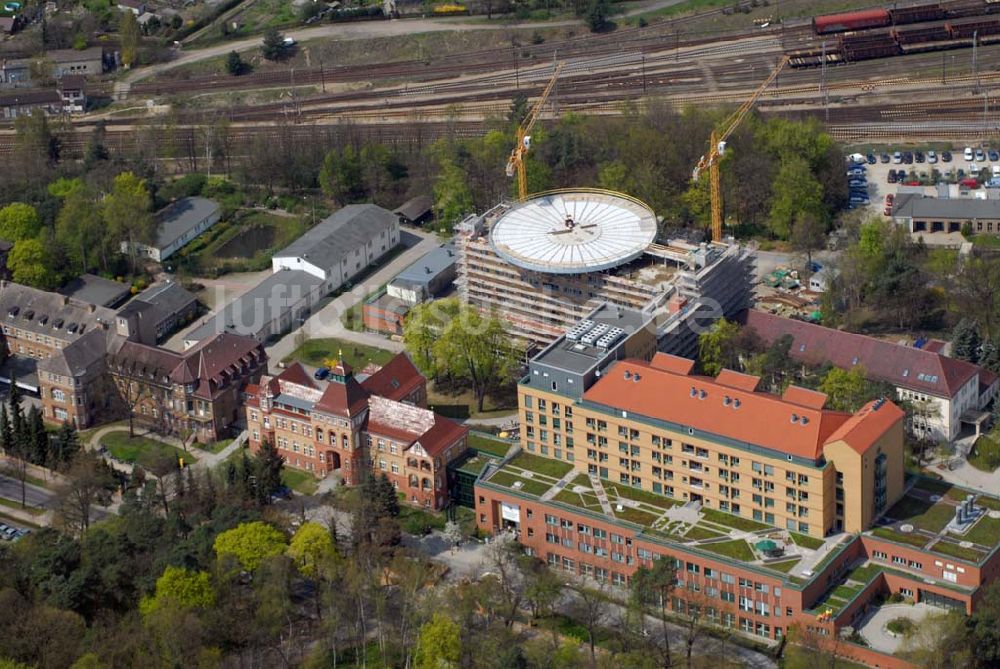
[864, 574]
[738, 549]
[12, 504]
[735, 522]
[315, 351]
[639, 495]
[213, 447]
[487, 444]
[784, 566]
[985, 455]
[912, 539]
[921, 513]
[460, 402]
[845, 592]
[534, 463]
[697, 533]
[985, 532]
[419, 521]
[17, 522]
[507, 480]
[636, 516]
[806, 541]
[142, 450]
[900, 625]
[956, 551]
[299, 481]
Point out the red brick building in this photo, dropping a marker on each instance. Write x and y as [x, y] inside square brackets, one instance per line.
[346, 426]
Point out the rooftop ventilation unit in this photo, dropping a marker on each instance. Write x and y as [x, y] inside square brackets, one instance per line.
[628, 374]
[736, 403]
[795, 418]
[727, 400]
[609, 338]
[594, 334]
[694, 392]
[636, 377]
[702, 394]
[804, 420]
[579, 329]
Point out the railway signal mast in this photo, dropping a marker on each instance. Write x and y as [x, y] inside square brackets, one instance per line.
[718, 147]
[515, 164]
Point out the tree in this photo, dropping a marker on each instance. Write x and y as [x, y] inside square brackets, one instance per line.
[182, 588]
[19, 221]
[234, 64]
[797, 193]
[452, 197]
[653, 586]
[131, 34]
[6, 433]
[717, 347]
[31, 263]
[808, 234]
[37, 437]
[64, 445]
[268, 464]
[126, 211]
[89, 481]
[439, 645]
[250, 543]
[273, 47]
[597, 15]
[965, 341]
[453, 533]
[311, 548]
[989, 356]
[590, 609]
[845, 389]
[81, 230]
[341, 175]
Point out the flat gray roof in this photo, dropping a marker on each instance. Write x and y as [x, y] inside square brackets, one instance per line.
[180, 217]
[430, 266]
[170, 296]
[269, 300]
[578, 357]
[915, 206]
[74, 55]
[350, 228]
[96, 290]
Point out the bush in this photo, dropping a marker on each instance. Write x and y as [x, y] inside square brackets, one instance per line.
[896, 598]
[901, 626]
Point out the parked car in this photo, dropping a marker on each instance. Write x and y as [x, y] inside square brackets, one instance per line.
[884, 158]
[932, 157]
[897, 158]
[855, 172]
[321, 373]
[900, 175]
[858, 182]
[946, 156]
[919, 156]
[980, 156]
[871, 159]
[994, 156]
[908, 157]
[891, 177]
[970, 183]
[889, 197]
[967, 154]
[857, 198]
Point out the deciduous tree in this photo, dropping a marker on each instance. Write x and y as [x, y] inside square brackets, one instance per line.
[89, 482]
[31, 263]
[19, 221]
[439, 645]
[846, 389]
[250, 543]
[126, 211]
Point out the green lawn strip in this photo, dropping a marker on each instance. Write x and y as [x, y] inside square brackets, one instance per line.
[784, 566]
[914, 539]
[316, 351]
[845, 592]
[991, 503]
[507, 480]
[213, 447]
[636, 516]
[17, 522]
[927, 515]
[735, 522]
[985, 454]
[864, 574]
[12, 504]
[985, 532]
[738, 549]
[487, 444]
[806, 541]
[956, 551]
[697, 533]
[142, 450]
[540, 465]
[637, 495]
[299, 481]
[419, 521]
[942, 488]
[569, 497]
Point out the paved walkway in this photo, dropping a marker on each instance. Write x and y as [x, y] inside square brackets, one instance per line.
[872, 628]
[326, 322]
[205, 459]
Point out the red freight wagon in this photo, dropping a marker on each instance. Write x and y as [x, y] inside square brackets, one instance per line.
[838, 23]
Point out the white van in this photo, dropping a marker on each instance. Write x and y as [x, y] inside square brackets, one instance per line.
[968, 153]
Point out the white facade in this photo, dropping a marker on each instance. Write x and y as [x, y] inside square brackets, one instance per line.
[940, 418]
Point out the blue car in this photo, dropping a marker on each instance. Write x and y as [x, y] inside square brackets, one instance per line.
[321, 373]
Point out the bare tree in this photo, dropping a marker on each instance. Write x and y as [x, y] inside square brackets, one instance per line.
[89, 482]
[590, 608]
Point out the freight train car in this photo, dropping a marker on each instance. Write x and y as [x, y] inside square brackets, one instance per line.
[838, 23]
[904, 15]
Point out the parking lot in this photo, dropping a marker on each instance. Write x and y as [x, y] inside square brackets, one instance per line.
[914, 170]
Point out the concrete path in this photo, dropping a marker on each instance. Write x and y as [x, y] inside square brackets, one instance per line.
[204, 459]
[602, 495]
[560, 484]
[326, 322]
[872, 628]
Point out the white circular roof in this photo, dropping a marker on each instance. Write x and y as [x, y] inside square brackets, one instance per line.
[574, 232]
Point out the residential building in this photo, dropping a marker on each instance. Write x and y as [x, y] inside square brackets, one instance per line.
[434, 273]
[319, 262]
[93, 289]
[930, 215]
[343, 425]
[73, 384]
[384, 313]
[946, 393]
[177, 225]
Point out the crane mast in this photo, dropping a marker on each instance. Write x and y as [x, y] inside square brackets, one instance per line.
[515, 164]
[718, 140]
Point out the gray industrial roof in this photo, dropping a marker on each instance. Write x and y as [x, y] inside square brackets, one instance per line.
[182, 216]
[914, 206]
[49, 314]
[96, 290]
[428, 267]
[348, 229]
[74, 55]
[267, 301]
[575, 356]
[415, 208]
[170, 296]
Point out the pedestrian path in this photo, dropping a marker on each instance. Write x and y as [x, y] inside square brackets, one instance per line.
[559, 485]
[602, 496]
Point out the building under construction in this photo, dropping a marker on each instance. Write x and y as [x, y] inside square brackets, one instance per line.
[547, 262]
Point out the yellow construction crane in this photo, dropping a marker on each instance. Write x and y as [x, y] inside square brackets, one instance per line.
[515, 164]
[718, 147]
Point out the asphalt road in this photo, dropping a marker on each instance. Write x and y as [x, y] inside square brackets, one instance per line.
[10, 488]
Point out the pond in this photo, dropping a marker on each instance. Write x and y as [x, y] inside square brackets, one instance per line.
[248, 242]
